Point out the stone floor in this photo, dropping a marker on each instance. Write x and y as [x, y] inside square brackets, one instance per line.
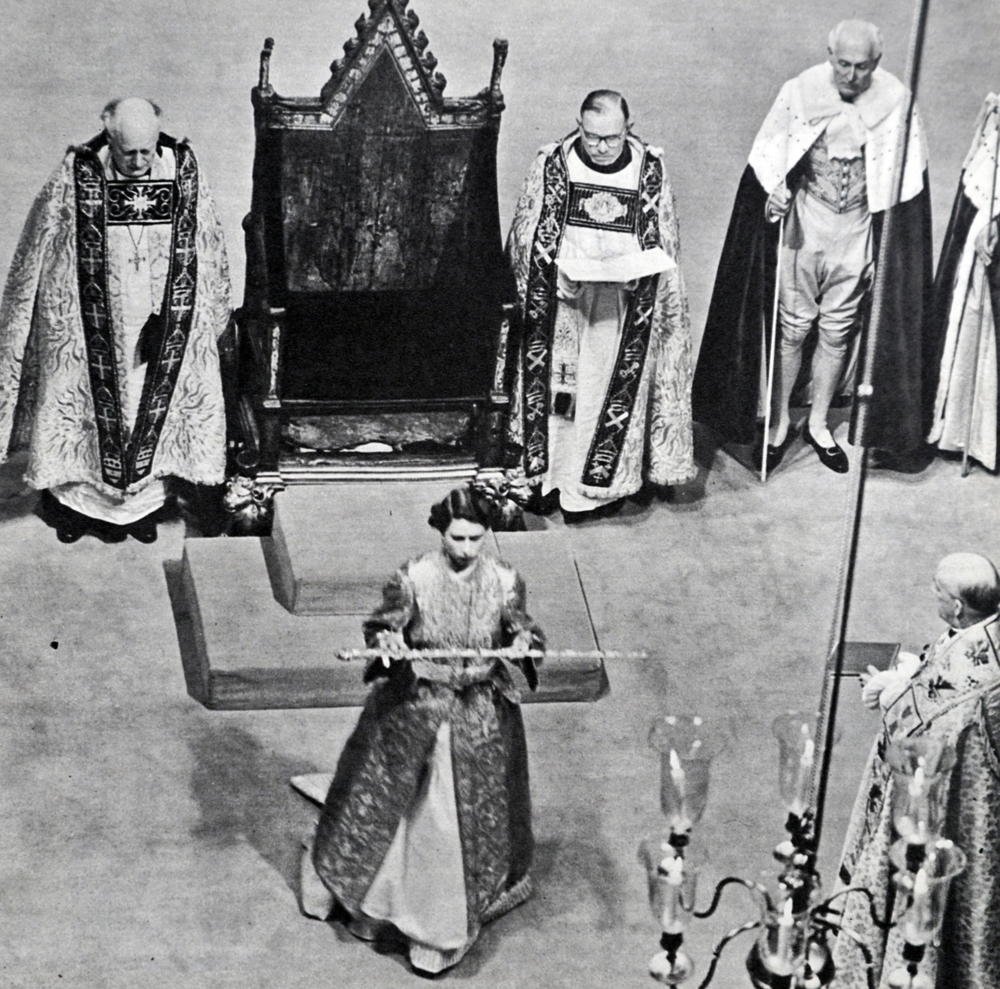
[147, 840]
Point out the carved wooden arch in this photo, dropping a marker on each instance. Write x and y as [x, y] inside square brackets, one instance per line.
[389, 30]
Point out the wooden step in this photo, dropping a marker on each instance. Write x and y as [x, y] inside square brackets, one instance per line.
[242, 649]
[333, 546]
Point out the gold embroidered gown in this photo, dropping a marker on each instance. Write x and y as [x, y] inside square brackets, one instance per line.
[427, 824]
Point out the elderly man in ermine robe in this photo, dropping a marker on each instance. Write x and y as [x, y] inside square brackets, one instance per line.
[602, 403]
[967, 303]
[114, 301]
[835, 155]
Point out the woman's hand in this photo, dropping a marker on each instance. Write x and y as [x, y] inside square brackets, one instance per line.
[390, 641]
[523, 642]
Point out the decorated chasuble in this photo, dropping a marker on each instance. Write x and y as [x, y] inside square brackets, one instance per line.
[955, 671]
[953, 695]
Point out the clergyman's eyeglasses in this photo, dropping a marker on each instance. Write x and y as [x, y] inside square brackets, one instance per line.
[611, 141]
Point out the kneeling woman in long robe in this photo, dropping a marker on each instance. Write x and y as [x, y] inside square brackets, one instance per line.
[427, 824]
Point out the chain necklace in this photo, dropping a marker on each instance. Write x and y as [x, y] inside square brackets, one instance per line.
[138, 257]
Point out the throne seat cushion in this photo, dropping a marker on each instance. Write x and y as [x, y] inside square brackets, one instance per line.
[399, 430]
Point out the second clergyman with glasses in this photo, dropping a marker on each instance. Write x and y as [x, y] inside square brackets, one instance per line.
[604, 377]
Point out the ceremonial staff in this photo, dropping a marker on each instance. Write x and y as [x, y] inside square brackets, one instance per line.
[770, 360]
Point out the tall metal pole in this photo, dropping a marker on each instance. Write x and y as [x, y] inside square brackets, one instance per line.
[834, 665]
[770, 360]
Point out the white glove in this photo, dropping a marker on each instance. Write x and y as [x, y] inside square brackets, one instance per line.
[778, 204]
[872, 684]
[883, 688]
[908, 663]
[986, 242]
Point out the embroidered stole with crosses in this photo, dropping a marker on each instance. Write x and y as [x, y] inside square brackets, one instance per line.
[100, 203]
[564, 202]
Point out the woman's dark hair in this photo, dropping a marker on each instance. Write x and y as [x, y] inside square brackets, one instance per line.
[461, 503]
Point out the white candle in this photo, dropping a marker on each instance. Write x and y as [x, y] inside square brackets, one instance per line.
[808, 755]
[678, 777]
[783, 948]
[801, 799]
[677, 774]
[917, 824]
[919, 926]
[671, 918]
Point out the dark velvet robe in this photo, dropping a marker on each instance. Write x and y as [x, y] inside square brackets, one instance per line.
[727, 377]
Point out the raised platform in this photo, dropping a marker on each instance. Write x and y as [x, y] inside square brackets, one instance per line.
[332, 551]
[332, 547]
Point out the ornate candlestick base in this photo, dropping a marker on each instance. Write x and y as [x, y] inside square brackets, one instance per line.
[673, 964]
[910, 976]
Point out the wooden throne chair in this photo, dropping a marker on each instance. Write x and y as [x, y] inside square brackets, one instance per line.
[373, 336]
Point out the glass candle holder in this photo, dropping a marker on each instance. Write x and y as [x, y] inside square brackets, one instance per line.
[783, 942]
[921, 769]
[797, 756]
[687, 745]
[672, 879]
[925, 891]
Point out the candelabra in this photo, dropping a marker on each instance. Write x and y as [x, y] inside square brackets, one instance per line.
[687, 746]
[792, 924]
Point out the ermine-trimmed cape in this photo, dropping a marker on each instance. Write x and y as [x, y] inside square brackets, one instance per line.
[966, 312]
[727, 381]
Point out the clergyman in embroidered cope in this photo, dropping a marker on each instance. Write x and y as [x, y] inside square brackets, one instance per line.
[602, 395]
[113, 304]
[952, 692]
